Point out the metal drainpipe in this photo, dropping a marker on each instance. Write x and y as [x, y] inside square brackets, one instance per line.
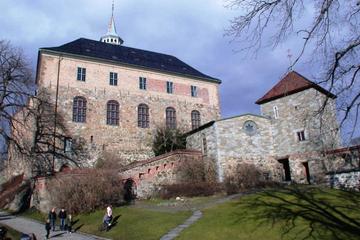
[55, 115]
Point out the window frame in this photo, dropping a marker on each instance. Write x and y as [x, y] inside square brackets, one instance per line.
[81, 74]
[170, 117]
[276, 112]
[113, 79]
[301, 136]
[169, 87]
[142, 83]
[112, 113]
[143, 116]
[79, 109]
[194, 91]
[195, 119]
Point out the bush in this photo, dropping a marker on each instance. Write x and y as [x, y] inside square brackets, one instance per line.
[167, 140]
[189, 189]
[86, 192]
[109, 160]
[244, 177]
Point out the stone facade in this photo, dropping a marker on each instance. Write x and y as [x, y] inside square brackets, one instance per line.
[302, 112]
[287, 142]
[128, 140]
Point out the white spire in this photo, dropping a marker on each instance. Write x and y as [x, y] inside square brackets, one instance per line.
[111, 36]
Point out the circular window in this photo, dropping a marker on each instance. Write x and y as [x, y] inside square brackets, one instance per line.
[250, 127]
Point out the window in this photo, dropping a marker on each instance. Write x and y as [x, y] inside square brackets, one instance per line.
[81, 74]
[67, 144]
[204, 143]
[112, 113]
[276, 112]
[79, 109]
[301, 136]
[113, 78]
[195, 119]
[143, 116]
[193, 91]
[170, 118]
[169, 87]
[142, 83]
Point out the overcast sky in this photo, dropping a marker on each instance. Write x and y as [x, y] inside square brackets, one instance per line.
[191, 30]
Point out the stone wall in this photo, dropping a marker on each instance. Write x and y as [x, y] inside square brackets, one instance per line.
[345, 180]
[300, 112]
[127, 140]
[229, 144]
[148, 176]
[151, 174]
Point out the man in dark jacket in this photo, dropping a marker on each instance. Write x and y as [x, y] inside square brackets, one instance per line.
[47, 228]
[62, 216]
[52, 218]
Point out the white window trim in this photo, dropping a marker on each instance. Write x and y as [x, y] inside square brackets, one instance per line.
[276, 112]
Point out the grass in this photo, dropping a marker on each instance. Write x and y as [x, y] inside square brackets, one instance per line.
[294, 212]
[289, 213]
[11, 233]
[133, 223]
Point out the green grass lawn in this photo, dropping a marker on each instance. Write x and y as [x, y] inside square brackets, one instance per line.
[133, 223]
[12, 234]
[290, 213]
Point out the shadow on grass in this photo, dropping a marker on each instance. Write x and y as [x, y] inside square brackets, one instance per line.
[114, 222]
[78, 227]
[305, 212]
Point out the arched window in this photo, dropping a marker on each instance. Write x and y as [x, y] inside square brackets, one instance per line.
[195, 119]
[143, 116]
[112, 113]
[79, 109]
[170, 118]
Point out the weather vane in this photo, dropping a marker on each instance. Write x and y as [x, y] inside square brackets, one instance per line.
[290, 58]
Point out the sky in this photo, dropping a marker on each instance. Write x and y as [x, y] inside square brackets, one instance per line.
[192, 30]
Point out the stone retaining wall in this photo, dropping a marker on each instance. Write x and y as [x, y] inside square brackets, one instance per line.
[345, 180]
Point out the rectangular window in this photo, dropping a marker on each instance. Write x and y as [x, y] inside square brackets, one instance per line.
[193, 91]
[142, 83]
[113, 78]
[81, 74]
[169, 87]
[301, 136]
[276, 112]
[67, 144]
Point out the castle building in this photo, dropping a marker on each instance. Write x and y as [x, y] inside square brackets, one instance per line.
[286, 142]
[115, 97]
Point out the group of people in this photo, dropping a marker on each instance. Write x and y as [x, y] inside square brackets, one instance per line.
[65, 221]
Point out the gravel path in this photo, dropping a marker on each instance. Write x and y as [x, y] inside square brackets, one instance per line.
[25, 225]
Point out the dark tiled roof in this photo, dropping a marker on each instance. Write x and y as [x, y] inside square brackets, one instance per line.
[129, 56]
[292, 83]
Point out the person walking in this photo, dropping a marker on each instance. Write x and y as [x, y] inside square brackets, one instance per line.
[47, 228]
[69, 223]
[52, 218]
[62, 216]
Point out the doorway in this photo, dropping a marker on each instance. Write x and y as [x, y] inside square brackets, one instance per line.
[307, 171]
[286, 166]
[129, 190]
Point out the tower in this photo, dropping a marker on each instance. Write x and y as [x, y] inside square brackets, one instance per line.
[111, 36]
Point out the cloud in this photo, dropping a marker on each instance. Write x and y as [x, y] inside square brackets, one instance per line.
[193, 31]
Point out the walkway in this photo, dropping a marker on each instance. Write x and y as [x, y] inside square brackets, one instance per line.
[197, 214]
[25, 225]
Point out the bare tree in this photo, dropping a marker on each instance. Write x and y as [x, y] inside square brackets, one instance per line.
[29, 125]
[16, 81]
[333, 38]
